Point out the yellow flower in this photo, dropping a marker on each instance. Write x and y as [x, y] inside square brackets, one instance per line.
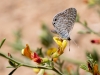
[60, 42]
[36, 70]
[56, 52]
[51, 51]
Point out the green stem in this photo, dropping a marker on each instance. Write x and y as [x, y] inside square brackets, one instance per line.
[60, 63]
[54, 69]
[89, 28]
[30, 66]
[21, 64]
[26, 65]
[40, 67]
[72, 60]
[92, 31]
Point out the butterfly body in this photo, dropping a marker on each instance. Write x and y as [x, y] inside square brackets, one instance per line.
[63, 22]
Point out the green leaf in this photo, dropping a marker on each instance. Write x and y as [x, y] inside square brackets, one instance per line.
[18, 34]
[84, 32]
[77, 71]
[84, 67]
[85, 23]
[95, 55]
[17, 44]
[39, 52]
[81, 32]
[13, 64]
[46, 36]
[88, 32]
[2, 42]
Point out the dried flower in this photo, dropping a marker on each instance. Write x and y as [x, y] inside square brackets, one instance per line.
[36, 58]
[27, 52]
[95, 41]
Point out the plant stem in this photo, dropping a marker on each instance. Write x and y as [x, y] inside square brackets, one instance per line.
[76, 62]
[21, 64]
[25, 65]
[54, 69]
[89, 29]
[92, 31]
[30, 66]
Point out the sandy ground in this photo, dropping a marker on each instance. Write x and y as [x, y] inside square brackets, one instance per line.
[29, 14]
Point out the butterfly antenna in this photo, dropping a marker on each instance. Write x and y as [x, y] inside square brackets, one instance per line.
[69, 45]
[75, 43]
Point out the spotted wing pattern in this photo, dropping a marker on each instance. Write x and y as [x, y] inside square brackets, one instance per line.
[64, 21]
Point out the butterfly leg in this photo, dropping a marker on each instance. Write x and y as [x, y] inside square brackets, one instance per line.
[54, 31]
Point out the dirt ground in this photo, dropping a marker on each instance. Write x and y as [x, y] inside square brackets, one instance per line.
[29, 14]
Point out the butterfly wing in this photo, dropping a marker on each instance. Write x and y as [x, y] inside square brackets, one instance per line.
[64, 22]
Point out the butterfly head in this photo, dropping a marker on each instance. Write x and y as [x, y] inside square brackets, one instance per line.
[69, 38]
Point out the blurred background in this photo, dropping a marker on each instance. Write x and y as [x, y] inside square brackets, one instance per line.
[22, 21]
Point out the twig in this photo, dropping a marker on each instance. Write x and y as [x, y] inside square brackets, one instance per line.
[54, 69]
[30, 66]
[89, 28]
[72, 61]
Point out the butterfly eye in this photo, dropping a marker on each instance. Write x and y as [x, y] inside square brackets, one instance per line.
[55, 19]
[53, 23]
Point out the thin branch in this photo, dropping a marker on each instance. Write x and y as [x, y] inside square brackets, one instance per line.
[54, 69]
[92, 31]
[30, 66]
[76, 62]
[21, 64]
[89, 29]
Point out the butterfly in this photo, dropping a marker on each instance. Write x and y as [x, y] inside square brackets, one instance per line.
[63, 22]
